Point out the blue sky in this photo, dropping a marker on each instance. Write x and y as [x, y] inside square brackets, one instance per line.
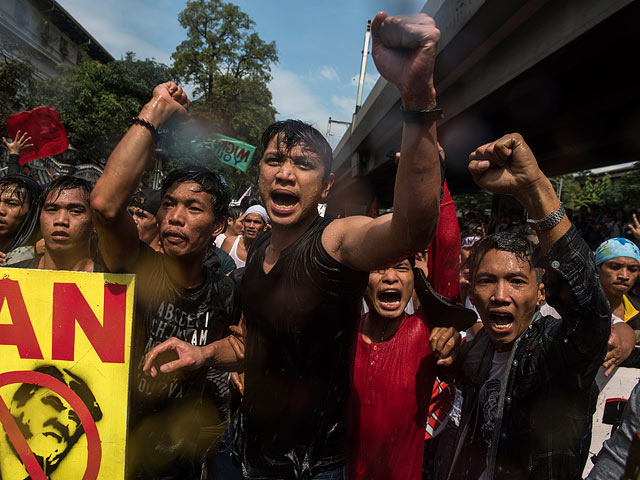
[319, 45]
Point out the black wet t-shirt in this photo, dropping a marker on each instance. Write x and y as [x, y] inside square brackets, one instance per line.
[301, 321]
[168, 412]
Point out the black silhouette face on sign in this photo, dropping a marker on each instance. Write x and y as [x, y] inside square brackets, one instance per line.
[48, 423]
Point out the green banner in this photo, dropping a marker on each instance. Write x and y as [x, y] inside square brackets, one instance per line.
[228, 151]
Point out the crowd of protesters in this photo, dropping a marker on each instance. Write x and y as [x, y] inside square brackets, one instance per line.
[411, 345]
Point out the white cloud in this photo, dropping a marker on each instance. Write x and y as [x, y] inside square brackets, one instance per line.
[293, 98]
[119, 26]
[370, 78]
[346, 106]
[329, 73]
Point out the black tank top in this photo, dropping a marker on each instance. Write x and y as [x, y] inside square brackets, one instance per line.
[302, 322]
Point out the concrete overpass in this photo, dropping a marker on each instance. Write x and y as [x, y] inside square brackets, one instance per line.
[561, 72]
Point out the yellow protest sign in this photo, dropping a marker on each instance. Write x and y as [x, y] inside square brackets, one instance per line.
[65, 343]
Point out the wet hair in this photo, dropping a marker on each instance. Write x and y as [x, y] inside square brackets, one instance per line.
[293, 133]
[511, 242]
[471, 228]
[26, 190]
[67, 182]
[209, 182]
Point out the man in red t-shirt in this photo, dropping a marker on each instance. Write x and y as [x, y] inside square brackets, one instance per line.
[393, 374]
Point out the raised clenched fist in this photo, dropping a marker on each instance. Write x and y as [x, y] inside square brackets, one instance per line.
[404, 50]
[505, 166]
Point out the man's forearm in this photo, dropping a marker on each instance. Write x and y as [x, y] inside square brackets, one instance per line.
[128, 162]
[13, 165]
[416, 201]
[539, 202]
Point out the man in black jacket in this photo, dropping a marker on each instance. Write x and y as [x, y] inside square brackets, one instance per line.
[528, 379]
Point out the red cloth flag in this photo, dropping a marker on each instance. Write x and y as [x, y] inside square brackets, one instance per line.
[47, 133]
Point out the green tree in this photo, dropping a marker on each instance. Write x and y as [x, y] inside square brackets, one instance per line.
[466, 202]
[628, 187]
[97, 101]
[16, 80]
[220, 42]
[571, 194]
[597, 191]
[230, 66]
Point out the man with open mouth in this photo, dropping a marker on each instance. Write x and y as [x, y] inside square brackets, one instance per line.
[304, 280]
[528, 379]
[393, 375]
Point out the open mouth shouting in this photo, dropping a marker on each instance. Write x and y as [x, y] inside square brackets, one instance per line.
[389, 299]
[283, 202]
[501, 322]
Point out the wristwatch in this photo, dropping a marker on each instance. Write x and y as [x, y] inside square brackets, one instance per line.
[548, 222]
[421, 116]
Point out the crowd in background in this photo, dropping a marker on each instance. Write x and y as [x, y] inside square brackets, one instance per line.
[411, 345]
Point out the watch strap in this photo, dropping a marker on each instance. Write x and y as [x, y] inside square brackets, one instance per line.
[421, 116]
[548, 222]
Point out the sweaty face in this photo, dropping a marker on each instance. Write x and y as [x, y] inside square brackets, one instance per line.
[13, 211]
[292, 184]
[145, 223]
[618, 275]
[389, 290]
[65, 220]
[253, 225]
[186, 219]
[505, 292]
[47, 423]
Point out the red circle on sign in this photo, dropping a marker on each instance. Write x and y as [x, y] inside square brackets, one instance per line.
[94, 446]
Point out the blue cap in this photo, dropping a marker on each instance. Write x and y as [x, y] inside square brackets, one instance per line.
[616, 247]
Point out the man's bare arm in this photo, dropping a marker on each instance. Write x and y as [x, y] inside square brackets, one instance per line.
[117, 233]
[404, 49]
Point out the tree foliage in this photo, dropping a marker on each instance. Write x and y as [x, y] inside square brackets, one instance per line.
[221, 43]
[467, 202]
[230, 66]
[628, 187]
[16, 80]
[585, 190]
[96, 101]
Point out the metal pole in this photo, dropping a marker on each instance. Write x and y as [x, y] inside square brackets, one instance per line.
[560, 189]
[329, 129]
[363, 66]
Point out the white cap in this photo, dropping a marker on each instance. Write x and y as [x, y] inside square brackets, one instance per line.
[259, 209]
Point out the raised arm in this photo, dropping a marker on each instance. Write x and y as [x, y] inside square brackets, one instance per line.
[15, 147]
[404, 50]
[117, 233]
[508, 166]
